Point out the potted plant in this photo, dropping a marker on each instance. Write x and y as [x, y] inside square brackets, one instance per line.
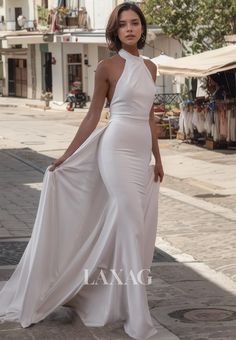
[47, 96]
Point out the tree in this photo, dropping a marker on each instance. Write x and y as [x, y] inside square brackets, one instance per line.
[199, 25]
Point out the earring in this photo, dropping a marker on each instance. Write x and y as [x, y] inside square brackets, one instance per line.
[143, 37]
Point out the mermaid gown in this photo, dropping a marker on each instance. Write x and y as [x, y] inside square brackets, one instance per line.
[97, 212]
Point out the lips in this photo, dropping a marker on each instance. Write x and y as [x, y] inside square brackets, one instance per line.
[130, 36]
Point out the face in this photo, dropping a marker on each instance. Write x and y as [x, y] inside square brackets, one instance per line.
[130, 28]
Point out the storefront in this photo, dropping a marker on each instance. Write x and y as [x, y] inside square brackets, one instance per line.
[209, 116]
[51, 63]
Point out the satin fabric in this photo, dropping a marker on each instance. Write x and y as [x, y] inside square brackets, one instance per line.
[97, 211]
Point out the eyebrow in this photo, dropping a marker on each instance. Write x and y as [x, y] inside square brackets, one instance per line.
[131, 20]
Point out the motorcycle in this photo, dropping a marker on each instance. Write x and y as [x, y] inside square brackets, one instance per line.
[76, 98]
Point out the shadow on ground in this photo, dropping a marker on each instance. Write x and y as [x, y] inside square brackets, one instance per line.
[21, 174]
[181, 298]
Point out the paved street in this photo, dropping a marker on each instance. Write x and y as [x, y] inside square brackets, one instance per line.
[193, 294]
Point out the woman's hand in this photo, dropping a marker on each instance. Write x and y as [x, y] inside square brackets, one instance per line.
[57, 162]
[158, 172]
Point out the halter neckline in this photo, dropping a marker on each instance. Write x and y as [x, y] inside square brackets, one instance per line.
[126, 55]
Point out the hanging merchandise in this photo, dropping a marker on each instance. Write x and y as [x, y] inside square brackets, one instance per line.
[211, 120]
[212, 115]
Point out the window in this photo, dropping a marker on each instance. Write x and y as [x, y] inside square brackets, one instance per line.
[73, 58]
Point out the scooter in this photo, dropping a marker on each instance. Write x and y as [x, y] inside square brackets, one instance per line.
[76, 99]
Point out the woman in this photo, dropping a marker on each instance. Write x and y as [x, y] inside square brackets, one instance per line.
[97, 213]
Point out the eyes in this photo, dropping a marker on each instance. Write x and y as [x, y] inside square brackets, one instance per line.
[133, 23]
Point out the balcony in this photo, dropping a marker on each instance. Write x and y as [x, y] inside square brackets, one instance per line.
[11, 25]
[60, 19]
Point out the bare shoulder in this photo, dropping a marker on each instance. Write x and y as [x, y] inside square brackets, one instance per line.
[108, 62]
[102, 68]
[152, 67]
[106, 66]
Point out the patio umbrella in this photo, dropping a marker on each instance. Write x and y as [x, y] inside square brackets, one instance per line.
[162, 59]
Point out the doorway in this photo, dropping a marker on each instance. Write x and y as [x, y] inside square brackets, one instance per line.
[18, 11]
[17, 78]
[47, 71]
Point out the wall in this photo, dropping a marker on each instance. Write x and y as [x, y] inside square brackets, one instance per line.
[29, 77]
[93, 61]
[57, 74]
[98, 15]
[32, 9]
[10, 8]
[59, 70]
[3, 9]
[5, 72]
[38, 73]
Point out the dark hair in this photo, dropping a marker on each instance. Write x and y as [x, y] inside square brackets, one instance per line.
[112, 38]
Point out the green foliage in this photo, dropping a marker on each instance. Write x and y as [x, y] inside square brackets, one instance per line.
[42, 15]
[199, 25]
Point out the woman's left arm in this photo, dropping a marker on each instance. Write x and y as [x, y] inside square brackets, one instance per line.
[158, 169]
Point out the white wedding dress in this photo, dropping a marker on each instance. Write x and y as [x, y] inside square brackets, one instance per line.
[97, 211]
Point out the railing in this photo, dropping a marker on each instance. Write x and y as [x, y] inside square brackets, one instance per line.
[167, 98]
[11, 25]
[58, 19]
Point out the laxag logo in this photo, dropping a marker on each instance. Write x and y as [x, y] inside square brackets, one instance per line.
[111, 277]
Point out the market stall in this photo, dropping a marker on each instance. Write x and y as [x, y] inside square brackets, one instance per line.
[166, 112]
[210, 119]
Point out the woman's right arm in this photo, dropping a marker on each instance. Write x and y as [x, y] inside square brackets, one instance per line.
[91, 120]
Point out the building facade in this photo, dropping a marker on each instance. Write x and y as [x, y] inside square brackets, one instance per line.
[46, 45]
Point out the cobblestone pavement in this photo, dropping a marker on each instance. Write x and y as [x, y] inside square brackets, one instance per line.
[191, 298]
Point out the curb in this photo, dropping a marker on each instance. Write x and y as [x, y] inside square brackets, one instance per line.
[8, 105]
[38, 106]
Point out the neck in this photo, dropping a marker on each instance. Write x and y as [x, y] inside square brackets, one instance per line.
[131, 49]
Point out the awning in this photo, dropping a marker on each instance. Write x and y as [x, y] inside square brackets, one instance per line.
[162, 58]
[202, 64]
[21, 51]
[89, 39]
[92, 37]
[25, 39]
